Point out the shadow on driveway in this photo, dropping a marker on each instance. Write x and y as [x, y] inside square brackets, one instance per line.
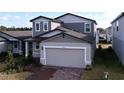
[41, 73]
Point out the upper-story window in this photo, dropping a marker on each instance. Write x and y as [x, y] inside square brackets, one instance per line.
[45, 26]
[87, 28]
[37, 26]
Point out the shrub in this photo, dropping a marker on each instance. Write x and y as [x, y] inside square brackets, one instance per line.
[14, 64]
[88, 67]
[99, 47]
[10, 63]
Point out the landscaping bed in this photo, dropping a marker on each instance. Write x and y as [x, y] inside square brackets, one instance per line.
[105, 61]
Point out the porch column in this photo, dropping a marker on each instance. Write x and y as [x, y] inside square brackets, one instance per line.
[26, 49]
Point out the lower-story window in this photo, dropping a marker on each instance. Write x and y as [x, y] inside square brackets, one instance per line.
[37, 46]
[15, 44]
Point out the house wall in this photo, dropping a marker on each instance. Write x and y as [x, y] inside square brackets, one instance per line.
[67, 41]
[17, 50]
[109, 34]
[54, 25]
[118, 39]
[97, 37]
[51, 25]
[3, 47]
[35, 52]
[78, 24]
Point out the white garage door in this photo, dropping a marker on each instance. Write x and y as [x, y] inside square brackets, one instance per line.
[66, 57]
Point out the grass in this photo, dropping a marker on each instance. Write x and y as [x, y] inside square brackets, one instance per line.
[105, 61]
[16, 76]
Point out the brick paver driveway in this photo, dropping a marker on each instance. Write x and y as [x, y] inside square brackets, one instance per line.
[54, 73]
[66, 74]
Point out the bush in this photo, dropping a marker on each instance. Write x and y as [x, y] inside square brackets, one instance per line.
[88, 67]
[99, 47]
[10, 63]
[15, 64]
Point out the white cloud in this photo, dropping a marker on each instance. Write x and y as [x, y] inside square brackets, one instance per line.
[9, 17]
[106, 19]
[17, 17]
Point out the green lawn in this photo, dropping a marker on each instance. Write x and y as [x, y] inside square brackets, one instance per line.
[105, 61]
[16, 76]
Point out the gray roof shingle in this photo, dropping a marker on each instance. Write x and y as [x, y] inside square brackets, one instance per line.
[19, 34]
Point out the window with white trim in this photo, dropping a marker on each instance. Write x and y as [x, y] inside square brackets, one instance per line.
[45, 26]
[37, 46]
[37, 26]
[87, 28]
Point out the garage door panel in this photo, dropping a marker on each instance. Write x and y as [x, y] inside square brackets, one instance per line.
[65, 57]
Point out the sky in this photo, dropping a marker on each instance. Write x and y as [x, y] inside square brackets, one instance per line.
[21, 19]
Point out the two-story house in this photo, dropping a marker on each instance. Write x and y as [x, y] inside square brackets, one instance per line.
[118, 36]
[109, 34]
[67, 41]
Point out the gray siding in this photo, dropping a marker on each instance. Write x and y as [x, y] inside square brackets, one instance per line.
[118, 46]
[35, 33]
[73, 42]
[3, 47]
[79, 27]
[92, 29]
[118, 39]
[75, 26]
[35, 53]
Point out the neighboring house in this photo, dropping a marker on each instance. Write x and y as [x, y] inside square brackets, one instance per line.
[97, 37]
[109, 34]
[68, 41]
[102, 35]
[118, 36]
[16, 39]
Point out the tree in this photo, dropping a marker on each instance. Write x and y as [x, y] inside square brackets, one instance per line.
[10, 67]
[100, 29]
[3, 28]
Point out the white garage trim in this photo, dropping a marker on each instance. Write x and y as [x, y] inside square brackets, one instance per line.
[64, 47]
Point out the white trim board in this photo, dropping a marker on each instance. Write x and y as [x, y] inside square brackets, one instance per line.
[64, 47]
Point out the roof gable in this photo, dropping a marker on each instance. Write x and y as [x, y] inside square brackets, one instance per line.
[64, 38]
[7, 36]
[61, 30]
[44, 18]
[118, 17]
[57, 18]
